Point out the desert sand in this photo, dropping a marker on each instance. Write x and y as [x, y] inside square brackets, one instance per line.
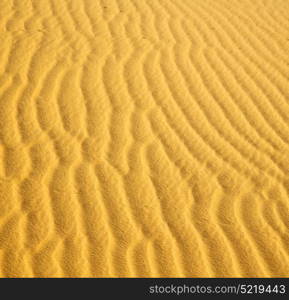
[144, 138]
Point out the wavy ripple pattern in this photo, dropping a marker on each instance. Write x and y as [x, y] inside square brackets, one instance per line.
[144, 138]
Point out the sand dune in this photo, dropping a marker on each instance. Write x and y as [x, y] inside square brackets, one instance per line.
[143, 138]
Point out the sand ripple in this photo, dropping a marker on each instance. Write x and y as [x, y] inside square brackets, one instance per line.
[144, 138]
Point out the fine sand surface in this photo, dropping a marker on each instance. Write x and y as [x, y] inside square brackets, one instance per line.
[143, 138]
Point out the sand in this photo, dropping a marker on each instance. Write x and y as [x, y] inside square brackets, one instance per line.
[144, 138]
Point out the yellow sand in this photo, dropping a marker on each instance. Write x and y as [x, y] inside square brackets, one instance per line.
[144, 138]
